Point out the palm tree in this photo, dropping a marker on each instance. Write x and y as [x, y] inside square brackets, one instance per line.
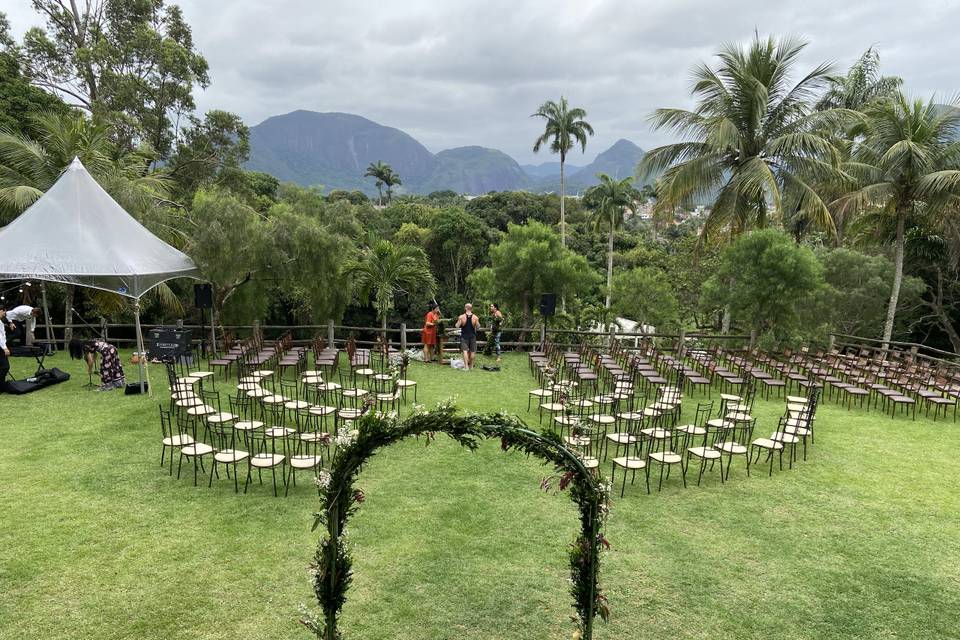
[384, 270]
[564, 127]
[609, 200]
[860, 86]
[29, 165]
[377, 171]
[907, 163]
[754, 143]
[386, 177]
[390, 180]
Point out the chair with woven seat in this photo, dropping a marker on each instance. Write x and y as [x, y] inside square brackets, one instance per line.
[773, 445]
[264, 455]
[730, 442]
[307, 452]
[555, 404]
[703, 451]
[223, 438]
[196, 450]
[627, 435]
[666, 458]
[630, 462]
[172, 438]
[294, 400]
[698, 428]
[585, 440]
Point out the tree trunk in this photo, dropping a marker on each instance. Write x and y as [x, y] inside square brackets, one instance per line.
[609, 265]
[943, 318]
[383, 328]
[526, 316]
[897, 278]
[563, 226]
[563, 216]
[725, 323]
[68, 315]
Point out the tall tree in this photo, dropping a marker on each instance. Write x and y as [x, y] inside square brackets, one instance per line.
[19, 100]
[385, 270]
[133, 62]
[211, 152]
[609, 200]
[753, 142]
[862, 84]
[390, 179]
[563, 128]
[530, 261]
[378, 171]
[908, 162]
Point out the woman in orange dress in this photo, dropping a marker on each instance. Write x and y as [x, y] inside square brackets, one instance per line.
[430, 331]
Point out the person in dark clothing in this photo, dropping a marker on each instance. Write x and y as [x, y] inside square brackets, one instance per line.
[495, 328]
[4, 351]
[468, 325]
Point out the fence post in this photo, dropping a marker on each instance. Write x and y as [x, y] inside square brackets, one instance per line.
[543, 334]
[103, 328]
[403, 336]
[753, 339]
[330, 333]
[833, 340]
[681, 347]
[613, 335]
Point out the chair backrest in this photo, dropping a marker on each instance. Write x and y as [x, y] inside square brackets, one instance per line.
[290, 389]
[166, 423]
[704, 410]
[241, 406]
[211, 399]
[273, 415]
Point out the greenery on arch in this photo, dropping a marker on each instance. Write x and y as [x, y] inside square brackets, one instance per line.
[332, 569]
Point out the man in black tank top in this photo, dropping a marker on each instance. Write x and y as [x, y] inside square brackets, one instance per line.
[468, 325]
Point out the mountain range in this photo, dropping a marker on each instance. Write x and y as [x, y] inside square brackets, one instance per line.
[333, 150]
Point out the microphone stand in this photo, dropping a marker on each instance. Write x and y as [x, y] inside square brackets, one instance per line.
[90, 384]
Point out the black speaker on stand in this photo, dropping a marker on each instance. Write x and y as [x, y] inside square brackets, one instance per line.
[203, 299]
[548, 305]
[548, 308]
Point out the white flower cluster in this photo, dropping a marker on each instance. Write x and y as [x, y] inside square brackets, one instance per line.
[346, 437]
[309, 618]
[323, 479]
[419, 408]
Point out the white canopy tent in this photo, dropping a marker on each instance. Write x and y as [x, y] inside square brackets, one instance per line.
[77, 234]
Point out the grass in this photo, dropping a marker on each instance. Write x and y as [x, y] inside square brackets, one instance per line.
[97, 541]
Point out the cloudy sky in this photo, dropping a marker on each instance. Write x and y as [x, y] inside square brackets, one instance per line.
[458, 72]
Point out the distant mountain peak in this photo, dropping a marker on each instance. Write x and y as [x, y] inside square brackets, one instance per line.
[333, 149]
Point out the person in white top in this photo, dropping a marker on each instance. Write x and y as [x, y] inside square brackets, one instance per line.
[4, 351]
[22, 321]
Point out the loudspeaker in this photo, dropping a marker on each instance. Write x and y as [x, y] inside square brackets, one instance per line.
[548, 304]
[133, 388]
[202, 296]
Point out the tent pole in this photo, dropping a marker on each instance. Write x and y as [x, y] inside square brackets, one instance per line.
[141, 356]
[46, 316]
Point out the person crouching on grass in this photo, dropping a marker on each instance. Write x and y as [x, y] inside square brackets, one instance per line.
[468, 325]
[111, 371]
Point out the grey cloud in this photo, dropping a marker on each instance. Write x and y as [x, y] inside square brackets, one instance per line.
[461, 72]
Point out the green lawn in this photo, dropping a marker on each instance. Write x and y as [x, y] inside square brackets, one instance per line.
[97, 541]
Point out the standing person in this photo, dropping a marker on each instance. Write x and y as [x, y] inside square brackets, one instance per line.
[4, 351]
[430, 331]
[468, 325]
[495, 327]
[22, 321]
[111, 371]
